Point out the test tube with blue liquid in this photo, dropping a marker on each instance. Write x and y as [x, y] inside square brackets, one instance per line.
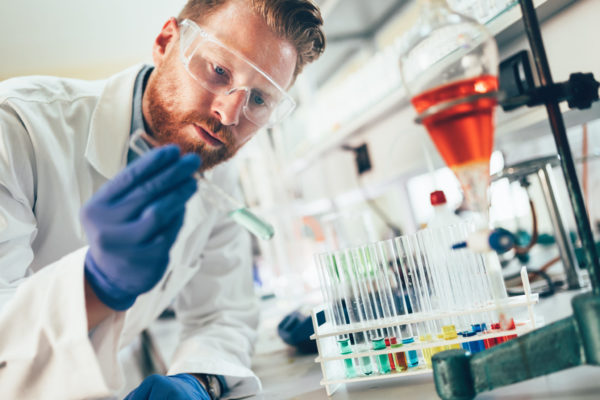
[354, 307]
[141, 143]
[329, 288]
[479, 290]
[362, 264]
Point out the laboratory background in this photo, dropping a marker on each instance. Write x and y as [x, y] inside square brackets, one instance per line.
[351, 178]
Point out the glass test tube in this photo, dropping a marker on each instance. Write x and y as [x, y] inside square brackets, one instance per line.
[387, 309]
[389, 257]
[365, 272]
[354, 307]
[329, 286]
[406, 260]
[141, 143]
[432, 329]
[456, 276]
[480, 284]
[432, 291]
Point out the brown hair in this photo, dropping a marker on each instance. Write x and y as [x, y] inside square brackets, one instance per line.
[298, 21]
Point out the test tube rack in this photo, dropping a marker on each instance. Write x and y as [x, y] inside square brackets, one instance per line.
[332, 361]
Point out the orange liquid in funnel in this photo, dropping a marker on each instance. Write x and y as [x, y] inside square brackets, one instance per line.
[463, 133]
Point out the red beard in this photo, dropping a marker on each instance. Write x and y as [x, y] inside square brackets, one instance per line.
[167, 127]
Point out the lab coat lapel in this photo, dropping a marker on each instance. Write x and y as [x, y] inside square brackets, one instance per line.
[108, 139]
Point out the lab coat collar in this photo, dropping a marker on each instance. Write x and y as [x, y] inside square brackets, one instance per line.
[108, 139]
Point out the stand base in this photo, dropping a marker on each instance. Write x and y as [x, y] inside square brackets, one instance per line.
[564, 344]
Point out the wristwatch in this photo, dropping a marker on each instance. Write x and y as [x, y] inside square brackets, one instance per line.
[213, 386]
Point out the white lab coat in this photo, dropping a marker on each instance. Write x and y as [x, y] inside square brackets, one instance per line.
[60, 140]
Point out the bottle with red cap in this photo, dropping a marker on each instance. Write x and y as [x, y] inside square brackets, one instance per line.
[442, 215]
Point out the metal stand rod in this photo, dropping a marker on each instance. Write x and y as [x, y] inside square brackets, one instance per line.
[559, 132]
[563, 241]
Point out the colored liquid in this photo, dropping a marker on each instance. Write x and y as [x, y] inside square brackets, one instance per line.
[389, 342]
[477, 346]
[382, 359]
[345, 348]
[400, 358]
[251, 222]
[412, 358]
[463, 133]
[449, 332]
[427, 351]
[365, 365]
[489, 342]
[511, 325]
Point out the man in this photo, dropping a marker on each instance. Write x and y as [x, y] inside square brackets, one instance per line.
[95, 243]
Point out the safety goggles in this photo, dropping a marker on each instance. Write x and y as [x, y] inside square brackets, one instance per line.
[223, 71]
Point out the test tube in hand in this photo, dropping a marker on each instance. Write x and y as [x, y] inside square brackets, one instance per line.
[141, 143]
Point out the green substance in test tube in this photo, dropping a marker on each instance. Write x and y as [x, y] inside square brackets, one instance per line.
[251, 222]
[382, 360]
[365, 365]
[346, 349]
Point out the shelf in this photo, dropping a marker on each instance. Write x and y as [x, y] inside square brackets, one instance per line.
[394, 101]
[505, 26]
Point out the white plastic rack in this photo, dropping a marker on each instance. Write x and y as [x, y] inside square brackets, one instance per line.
[331, 360]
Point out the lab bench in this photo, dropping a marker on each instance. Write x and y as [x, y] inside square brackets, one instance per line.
[288, 374]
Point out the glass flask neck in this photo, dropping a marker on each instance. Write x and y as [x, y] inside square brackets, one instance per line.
[433, 14]
[432, 5]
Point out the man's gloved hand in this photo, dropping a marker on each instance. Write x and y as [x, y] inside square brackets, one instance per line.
[132, 222]
[174, 387]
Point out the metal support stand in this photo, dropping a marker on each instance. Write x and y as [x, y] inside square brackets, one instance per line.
[564, 344]
[532, 27]
[563, 241]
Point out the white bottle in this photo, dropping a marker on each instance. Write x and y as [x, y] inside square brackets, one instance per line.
[442, 215]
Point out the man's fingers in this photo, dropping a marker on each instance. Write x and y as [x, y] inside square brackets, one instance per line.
[140, 170]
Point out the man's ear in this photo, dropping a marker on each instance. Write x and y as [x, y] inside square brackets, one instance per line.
[164, 41]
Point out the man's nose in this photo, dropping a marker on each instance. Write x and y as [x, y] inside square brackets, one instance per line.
[229, 106]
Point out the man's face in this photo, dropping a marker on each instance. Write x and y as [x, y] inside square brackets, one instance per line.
[179, 110]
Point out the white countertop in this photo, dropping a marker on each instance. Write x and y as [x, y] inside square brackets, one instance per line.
[285, 374]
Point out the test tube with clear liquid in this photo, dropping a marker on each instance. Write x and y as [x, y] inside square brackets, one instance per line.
[329, 287]
[141, 143]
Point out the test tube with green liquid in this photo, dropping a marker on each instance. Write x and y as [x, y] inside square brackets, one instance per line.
[335, 313]
[378, 300]
[358, 261]
[141, 143]
[384, 262]
[354, 306]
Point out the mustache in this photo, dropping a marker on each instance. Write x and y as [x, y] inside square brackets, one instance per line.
[214, 125]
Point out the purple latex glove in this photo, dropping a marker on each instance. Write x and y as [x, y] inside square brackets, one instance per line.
[132, 222]
[174, 387]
